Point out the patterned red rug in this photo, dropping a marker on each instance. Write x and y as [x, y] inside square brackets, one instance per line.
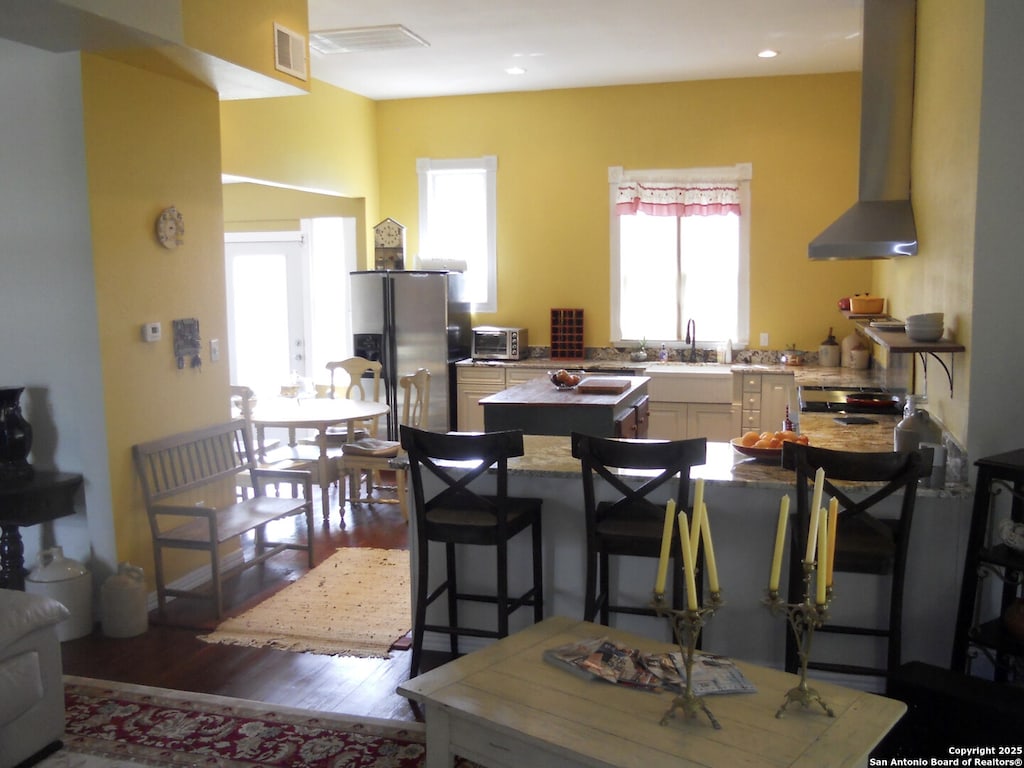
[116, 722]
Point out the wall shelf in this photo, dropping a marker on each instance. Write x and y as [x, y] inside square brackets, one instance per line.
[899, 342]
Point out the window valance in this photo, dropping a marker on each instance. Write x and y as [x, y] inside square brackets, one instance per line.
[660, 199]
[693, 192]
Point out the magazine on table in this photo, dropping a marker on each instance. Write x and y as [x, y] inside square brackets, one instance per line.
[604, 659]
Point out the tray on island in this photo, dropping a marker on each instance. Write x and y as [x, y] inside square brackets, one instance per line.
[603, 385]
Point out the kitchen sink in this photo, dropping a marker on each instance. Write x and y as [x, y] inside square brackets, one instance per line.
[690, 382]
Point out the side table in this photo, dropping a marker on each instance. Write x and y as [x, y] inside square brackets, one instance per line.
[996, 474]
[25, 502]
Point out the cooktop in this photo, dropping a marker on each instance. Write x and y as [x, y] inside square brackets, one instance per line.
[851, 400]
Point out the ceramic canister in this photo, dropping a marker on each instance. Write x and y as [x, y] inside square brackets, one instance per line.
[67, 581]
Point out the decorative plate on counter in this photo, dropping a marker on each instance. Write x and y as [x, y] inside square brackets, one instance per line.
[761, 454]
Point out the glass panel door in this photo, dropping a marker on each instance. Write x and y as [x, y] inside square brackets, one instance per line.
[266, 320]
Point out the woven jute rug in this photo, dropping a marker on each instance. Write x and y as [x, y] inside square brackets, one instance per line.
[110, 725]
[355, 603]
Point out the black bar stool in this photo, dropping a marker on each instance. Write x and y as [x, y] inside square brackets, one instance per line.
[631, 525]
[865, 543]
[459, 515]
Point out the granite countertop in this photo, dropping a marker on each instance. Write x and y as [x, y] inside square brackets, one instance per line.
[804, 375]
[551, 456]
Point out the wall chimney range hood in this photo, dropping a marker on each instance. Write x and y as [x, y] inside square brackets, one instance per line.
[880, 225]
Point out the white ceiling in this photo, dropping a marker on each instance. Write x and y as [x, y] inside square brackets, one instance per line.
[583, 43]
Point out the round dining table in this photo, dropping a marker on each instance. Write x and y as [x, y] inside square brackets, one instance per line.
[293, 413]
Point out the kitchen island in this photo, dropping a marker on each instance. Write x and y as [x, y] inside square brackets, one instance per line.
[743, 499]
[602, 406]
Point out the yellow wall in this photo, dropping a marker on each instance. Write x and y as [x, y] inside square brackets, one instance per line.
[554, 149]
[947, 106]
[251, 23]
[141, 158]
[323, 141]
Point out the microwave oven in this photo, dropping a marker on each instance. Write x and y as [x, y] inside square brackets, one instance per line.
[491, 342]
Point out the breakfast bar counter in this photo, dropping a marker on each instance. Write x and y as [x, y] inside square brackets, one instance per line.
[742, 497]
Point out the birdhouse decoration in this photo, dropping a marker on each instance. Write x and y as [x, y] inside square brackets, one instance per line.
[389, 245]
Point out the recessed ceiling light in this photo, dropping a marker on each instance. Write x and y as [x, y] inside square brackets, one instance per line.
[515, 71]
[767, 53]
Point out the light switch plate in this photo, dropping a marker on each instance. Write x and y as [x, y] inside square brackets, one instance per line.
[214, 350]
[151, 331]
[764, 339]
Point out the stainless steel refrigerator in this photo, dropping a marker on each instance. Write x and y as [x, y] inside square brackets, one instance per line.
[409, 320]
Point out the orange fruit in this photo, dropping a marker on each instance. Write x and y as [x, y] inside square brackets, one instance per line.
[749, 439]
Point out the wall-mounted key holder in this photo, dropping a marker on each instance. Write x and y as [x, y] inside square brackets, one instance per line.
[187, 342]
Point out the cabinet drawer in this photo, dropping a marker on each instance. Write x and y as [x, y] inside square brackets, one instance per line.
[481, 375]
[751, 420]
[515, 376]
[752, 401]
[752, 383]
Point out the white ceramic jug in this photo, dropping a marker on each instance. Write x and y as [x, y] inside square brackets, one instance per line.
[123, 601]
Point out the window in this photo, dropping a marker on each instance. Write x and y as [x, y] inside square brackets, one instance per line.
[458, 222]
[680, 248]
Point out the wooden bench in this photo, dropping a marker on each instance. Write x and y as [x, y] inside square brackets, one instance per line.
[183, 479]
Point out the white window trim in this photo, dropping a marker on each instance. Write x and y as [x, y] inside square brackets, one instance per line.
[488, 163]
[741, 172]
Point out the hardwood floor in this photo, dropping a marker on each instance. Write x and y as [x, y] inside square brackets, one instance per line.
[170, 655]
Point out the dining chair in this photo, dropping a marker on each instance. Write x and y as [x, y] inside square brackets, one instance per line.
[866, 541]
[372, 456]
[359, 387]
[465, 512]
[271, 454]
[631, 524]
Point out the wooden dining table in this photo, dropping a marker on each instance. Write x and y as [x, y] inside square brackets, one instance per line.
[294, 413]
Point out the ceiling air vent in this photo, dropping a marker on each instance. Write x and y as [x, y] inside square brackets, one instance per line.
[289, 52]
[360, 39]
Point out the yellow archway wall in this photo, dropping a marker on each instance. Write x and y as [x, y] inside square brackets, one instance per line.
[324, 143]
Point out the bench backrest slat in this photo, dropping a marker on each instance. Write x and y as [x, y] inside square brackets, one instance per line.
[179, 463]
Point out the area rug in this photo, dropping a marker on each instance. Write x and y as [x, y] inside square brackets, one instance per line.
[355, 603]
[116, 724]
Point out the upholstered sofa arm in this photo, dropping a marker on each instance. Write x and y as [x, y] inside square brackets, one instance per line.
[22, 613]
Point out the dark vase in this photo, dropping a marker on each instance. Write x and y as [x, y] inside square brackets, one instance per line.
[15, 436]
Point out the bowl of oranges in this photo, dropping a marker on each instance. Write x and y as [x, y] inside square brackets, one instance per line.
[765, 446]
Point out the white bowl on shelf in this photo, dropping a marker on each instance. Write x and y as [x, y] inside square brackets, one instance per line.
[927, 318]
[929, 333]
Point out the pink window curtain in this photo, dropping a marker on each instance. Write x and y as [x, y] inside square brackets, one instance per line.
[674, 199]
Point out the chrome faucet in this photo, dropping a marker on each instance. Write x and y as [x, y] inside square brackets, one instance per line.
[691, 338]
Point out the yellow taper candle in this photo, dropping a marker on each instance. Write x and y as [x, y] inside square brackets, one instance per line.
[780, 544]
[666, 544]
[698, 510]
[709, 550]
[822, 574]
[833, 529]
[688, 574]
[812, 528]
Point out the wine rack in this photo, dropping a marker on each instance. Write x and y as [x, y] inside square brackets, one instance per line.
[567, 334]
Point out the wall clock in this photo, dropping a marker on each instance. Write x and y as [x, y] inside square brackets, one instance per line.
[170, 228]
[389, 234]
[389, 245]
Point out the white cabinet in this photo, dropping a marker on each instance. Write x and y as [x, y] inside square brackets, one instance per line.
[667, 421]
[475, 383]
[681, 421]
[764, 397]
[711, 420]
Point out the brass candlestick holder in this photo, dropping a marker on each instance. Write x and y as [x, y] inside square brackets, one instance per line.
[803, 618]
[686, 627]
